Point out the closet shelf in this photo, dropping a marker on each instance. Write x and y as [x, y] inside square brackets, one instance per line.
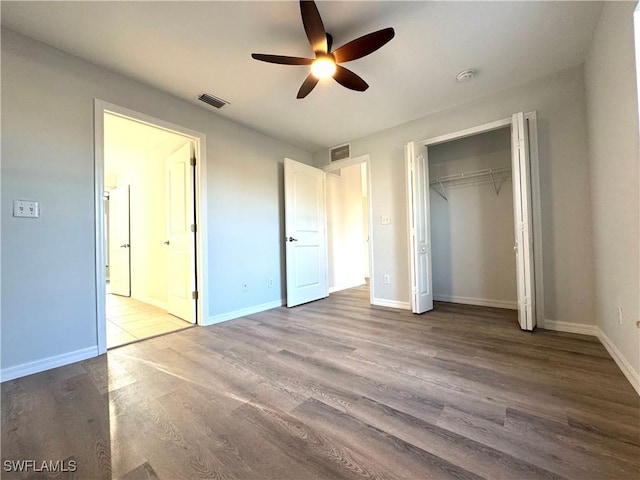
[477, 177]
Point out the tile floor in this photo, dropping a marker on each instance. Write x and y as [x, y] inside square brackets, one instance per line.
[129, 320]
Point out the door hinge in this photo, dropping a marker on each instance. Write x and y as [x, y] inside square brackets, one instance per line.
[194, 295]
[193, 161]
[194, 228]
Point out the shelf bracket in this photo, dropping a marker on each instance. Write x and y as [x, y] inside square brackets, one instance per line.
[493, 180]
[443, 194]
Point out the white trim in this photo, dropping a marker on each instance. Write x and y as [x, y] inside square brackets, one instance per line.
[346, 287]
[482, 302]
[469, 132]
[366, 159]
[382, 302]
[38, 366]
[151, 301]
[623, 364]
[100, 254]
[570, 327]
[344, 163]
[243, 312]
[202, 264]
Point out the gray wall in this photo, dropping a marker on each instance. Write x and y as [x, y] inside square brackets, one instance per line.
[566, 214]
[614, 160]
[472, 231]
[48, 272]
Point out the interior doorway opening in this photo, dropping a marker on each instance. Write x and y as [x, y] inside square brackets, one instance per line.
[348, 224]
[472, 220]
[149, 260]
[147, 195]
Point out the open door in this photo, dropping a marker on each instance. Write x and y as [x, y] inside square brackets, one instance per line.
[523, 221]
[305, 233]
[417, 167]
[119, 242]
[181, 234]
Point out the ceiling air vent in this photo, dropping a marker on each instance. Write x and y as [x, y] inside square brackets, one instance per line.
[341, 152]
[213, 101]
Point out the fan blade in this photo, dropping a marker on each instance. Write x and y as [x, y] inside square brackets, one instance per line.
[313, 26]
[310, 82]
[329, 42]
[348, 79]
[364, 45]
[281, 59]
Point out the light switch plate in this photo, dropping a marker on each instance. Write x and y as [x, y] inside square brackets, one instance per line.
[385, 220]
[26, 208]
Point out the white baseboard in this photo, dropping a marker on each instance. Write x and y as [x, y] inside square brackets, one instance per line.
[38, 366]
[345, 287]
[381, 302]
[570, 327]
[243, 312]
[625, 366]
[481, 302]
[151, 301]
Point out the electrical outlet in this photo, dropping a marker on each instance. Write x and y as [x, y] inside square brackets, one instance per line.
[270, 283]
[245, 286]
[26, 208]
[386, 279]
[620, 314]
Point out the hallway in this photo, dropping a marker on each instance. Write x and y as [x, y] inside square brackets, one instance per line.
[129, 320]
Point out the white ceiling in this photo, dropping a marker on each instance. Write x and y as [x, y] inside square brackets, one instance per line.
[187, 48]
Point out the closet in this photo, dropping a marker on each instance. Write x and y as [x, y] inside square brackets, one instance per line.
[472, 220]
[467, 231]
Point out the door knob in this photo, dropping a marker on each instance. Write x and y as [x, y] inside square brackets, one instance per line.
[291, 239]
[124, 245]
[167, 242]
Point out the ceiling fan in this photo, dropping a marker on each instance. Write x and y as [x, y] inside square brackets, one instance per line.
[326, 63]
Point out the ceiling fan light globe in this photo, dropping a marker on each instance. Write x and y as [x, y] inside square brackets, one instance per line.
[323, 68]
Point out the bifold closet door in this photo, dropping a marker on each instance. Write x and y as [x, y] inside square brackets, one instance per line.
[523, 222]
[417, 171]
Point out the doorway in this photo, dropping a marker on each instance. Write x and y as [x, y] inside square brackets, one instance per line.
[526, 209]
[472, 220]
[148, 272]
[348, 224]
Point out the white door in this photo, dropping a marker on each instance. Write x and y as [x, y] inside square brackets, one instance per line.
[305, 233]
[417, 166]
[523, 222]
[180, 234]
[119, 242]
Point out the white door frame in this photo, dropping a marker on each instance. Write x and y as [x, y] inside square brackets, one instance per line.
[535, 191]
[349, 162]
[202, 264]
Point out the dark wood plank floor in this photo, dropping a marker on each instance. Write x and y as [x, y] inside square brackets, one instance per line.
[334, 389]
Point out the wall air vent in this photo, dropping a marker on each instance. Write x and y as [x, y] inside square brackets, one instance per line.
[341, 152]
[213, 101]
